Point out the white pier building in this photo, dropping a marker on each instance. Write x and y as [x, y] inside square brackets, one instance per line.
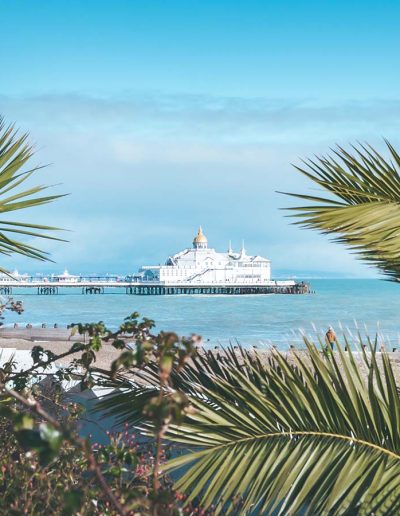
[203, 265]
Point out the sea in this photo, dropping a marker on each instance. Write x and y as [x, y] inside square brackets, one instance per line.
[370, 307]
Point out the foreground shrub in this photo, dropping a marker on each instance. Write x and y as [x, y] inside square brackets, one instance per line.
[315, 431]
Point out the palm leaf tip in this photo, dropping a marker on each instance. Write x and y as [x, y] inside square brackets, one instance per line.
[15, 152]
[359, 203]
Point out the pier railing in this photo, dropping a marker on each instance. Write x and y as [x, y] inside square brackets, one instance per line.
[99, 285]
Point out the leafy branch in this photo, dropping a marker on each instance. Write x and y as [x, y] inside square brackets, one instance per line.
[50, 437]
[167, 350]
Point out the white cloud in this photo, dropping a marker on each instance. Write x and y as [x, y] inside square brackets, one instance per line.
[144, 170]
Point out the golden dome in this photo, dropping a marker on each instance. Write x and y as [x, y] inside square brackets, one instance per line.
[200, 237]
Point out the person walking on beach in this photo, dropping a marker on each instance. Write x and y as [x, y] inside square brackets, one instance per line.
[330, 337]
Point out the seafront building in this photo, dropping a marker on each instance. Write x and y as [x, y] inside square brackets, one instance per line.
[201, 269]
[203, 265]
[65, 277]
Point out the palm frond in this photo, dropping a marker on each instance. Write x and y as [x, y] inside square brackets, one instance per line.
[362, 206]
[313, 431]
[126, 402]
[290, 472]
[15, 152]
[316, 433]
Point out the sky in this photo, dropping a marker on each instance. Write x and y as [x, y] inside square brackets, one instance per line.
[159, 116]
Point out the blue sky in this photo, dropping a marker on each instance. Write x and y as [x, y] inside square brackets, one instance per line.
[159, 116]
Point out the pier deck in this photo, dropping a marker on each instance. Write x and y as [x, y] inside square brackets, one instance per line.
[101, 285]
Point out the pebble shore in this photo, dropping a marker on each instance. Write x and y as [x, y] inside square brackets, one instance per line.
[108, 354]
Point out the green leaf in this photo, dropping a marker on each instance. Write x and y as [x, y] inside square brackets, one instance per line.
[72, 502]
[23, 421]
[14, 154]
[37, 353]
[51, 435]
[310, 432]
[29, 438]
[361, 205]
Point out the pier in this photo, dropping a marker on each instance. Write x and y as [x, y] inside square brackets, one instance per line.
[197, 270]
[100, 285]
[297, 288]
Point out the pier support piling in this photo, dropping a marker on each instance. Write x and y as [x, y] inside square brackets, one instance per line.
[47, 291]
[93, 290]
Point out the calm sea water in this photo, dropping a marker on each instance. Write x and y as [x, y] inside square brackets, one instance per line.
[252, 320]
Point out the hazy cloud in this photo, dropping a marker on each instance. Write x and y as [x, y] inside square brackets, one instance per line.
[144, 170]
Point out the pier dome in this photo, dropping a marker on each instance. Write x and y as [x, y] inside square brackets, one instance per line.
[200, 240]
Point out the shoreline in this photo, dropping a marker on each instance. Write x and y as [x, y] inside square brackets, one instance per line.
[108, 353]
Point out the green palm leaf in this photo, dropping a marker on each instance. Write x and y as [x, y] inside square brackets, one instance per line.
[313, 432]
[363, 203]
[15, 152]
[204, 371]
